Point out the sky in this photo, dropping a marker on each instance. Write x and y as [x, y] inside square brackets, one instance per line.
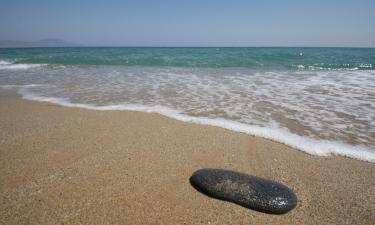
[345, 23]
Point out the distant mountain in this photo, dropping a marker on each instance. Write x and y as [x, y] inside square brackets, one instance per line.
[41, 43]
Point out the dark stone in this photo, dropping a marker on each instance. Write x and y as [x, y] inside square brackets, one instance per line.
[249, 191]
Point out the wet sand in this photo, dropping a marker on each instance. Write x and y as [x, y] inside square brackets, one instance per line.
[62, 165]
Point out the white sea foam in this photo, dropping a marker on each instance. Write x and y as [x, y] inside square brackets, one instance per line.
[319, 112]
[7, 65]
[307, 144]
[21, 85]
[301, 67]
[4, 62]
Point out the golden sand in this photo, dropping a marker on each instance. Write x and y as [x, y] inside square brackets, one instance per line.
[63, 165]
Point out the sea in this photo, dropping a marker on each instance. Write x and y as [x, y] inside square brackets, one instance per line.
[317, 100]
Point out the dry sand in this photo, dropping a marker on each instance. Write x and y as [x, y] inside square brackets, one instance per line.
[63, 165]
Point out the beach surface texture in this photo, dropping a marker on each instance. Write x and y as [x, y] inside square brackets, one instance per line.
[61, 165]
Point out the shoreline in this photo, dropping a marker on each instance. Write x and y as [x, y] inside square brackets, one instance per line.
[302, 143]
[73, 165]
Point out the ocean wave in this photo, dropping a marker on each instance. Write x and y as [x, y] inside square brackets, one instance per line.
[330, 67]
[3, 62]
[8, 65]
[20, 66]
[21, 85]
[306, 144]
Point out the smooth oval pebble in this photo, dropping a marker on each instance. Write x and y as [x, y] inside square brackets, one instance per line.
[249, 191]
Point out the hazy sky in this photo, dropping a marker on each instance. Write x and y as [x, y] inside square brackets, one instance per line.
[192, 22]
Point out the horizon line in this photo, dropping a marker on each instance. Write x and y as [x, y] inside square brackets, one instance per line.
[166, 46]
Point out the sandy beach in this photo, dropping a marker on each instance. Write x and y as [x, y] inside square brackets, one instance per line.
[62, 165]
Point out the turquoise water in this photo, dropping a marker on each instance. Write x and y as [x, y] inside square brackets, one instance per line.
[318, 100]
[254, 58]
